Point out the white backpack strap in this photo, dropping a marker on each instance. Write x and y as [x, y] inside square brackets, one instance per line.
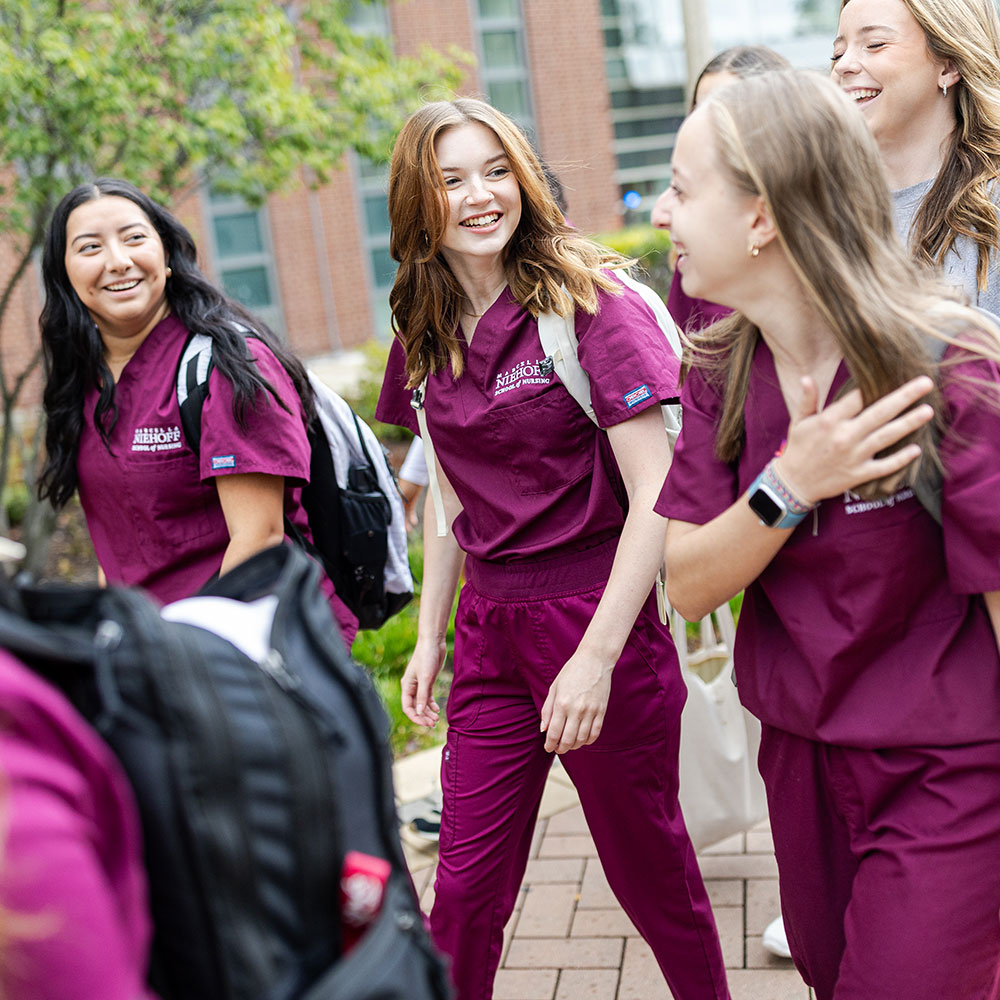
[558, 338]
[663, 317]
[418, 402]
[671, 411]
[200, 347]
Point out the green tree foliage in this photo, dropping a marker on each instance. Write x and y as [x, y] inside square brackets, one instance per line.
[650, 247]
[248, 95]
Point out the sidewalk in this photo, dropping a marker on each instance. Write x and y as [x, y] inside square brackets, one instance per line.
[569, 940]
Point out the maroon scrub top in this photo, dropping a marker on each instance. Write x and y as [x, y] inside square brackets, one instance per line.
[866, 629]
[72, 866]
[151, 504]
[534, 475]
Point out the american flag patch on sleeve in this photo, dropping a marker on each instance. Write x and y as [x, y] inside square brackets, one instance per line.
[636, 396]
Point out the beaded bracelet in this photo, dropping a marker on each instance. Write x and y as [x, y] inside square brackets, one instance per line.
[792, 502]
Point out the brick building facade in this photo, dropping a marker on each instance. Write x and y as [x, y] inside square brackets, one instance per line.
[315, 263]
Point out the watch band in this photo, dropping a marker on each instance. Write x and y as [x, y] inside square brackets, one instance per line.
[773, 503]
[792, 502]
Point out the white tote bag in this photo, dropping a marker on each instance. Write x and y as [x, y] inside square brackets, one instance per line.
[721, 790]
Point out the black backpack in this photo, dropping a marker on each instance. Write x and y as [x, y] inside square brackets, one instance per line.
[356, 518]
[253, 780]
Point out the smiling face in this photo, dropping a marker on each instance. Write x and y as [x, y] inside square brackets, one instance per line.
[116, 264]
[484, 199]
[709, 218]
[881, 60]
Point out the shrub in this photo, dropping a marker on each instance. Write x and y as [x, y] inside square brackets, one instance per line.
[650, 246]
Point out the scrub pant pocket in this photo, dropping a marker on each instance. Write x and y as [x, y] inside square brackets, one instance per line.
[889, 865]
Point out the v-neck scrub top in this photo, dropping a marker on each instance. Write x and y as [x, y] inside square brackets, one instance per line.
[535, 477]
[151, 504]
[867, 628]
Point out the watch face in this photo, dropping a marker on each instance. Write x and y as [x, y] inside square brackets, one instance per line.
[764, 504]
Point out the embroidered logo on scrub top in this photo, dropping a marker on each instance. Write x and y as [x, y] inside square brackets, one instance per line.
[523, 373]
[853, 504]
[157, 439]
[636, 396]
[223, 462]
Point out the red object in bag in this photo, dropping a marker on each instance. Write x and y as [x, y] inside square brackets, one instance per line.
[362, 889]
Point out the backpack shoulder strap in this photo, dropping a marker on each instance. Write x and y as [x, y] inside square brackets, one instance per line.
[558, 338]
[192, 385]
[419, 403]
[659, 309]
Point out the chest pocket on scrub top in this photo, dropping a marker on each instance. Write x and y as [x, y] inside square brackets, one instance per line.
[547, 441]
[169, 502]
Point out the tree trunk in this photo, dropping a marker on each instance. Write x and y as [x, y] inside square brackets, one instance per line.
[36, 535]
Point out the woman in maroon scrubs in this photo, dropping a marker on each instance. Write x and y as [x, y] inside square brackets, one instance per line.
[868, 636]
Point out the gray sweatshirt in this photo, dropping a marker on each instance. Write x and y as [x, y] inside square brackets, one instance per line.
[960, 262]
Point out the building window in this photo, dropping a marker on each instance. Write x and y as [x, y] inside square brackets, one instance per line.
[244, 262]
[372, 183]
[647, 69]
[503, 62]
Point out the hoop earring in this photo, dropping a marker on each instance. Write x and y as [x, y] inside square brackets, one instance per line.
[944, 90]
[754, 250]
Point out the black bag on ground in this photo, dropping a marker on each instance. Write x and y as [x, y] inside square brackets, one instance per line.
[253, 780]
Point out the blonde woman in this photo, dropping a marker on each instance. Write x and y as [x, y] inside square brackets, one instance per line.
[868, 638]
[925, 75]
[558, 647]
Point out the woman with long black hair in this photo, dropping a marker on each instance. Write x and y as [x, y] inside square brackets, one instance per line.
[123, 294]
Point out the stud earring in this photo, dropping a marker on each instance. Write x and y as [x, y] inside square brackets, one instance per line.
[169, 271]
[754, 250]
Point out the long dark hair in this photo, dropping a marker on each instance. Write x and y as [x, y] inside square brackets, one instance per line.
[74, 351]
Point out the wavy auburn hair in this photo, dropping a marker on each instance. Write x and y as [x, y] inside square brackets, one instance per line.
[543, 255]
[795, 140]
[959, 203]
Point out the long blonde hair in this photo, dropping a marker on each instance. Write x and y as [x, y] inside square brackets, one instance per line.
[794, 139]
[966, 32]
[544, 255]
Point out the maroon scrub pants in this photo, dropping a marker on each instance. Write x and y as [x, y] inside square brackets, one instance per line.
[515, 628]
[889, 864]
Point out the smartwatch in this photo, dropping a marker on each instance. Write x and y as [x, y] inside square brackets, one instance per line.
[770, 507]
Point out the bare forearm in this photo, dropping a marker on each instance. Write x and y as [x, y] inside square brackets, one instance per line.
[708, 564]
[636, 563]
[442, 567]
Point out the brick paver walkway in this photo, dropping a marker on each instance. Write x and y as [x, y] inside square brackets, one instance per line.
[569, 939]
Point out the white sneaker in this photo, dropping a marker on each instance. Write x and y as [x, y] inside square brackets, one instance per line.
[774, 940]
